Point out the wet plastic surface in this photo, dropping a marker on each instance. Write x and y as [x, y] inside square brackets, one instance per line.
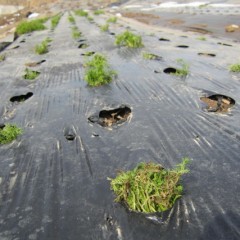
[53, 179]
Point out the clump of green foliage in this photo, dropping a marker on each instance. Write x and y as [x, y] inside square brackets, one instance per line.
[104, 27]
[30, 74]
[149, 187]
[201, 38]
[75, 32]
[2, 57]
[90, 19]
[42, 48]
[55, 20]
[98, 71]
[129, 39]
[151, 56]
[112, 20]
[98, 12]
[9, 133]
[71, 19]
[81, 13]
[184, 71]
[30, 26]
[235, 67]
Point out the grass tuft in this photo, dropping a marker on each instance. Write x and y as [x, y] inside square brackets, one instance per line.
[184, 71]
[71, 19]
[55, 20]
[235, 67]
[81, 13]
[30, 74]
[75, 32]
[9, 133]
[149, 187]
[98, 71]
[112, 20]
[98, 12]
[2, 57]
[201, 38]
[42, 48]
[30, 26]
[129, 39]
[104, 27]
[90, 19]
[151, 56]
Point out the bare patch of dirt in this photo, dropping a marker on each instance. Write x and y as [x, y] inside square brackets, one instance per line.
[175, 21]
[146, 18]
[218, 103]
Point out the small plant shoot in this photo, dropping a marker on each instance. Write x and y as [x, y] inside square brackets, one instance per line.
[98, 12]
[184, 71]
[81, 13]
[112, 20]
[2, 57]
[8, 133]
[76, 33]
[235, 67]
[30, 74]
[129, 39]
[149, 187]
[98, 71]
[42, 48]
[71, 19]
[104, 28]
[55, 20]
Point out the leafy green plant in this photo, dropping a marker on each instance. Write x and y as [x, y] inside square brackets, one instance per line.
[75, 32]
[104, 27]
[30, 26]
[201, 38]
[98, 71]
[150, 56]
[184, 71]
[2, 57]
[8, 133]
[149, 187]
[235, 67]
[42, 48]
[71, 19]
[112, 20]
[55, 20]
[98, 12]
[129, 39]
[30, 74]
[81, 13]
[90, 19]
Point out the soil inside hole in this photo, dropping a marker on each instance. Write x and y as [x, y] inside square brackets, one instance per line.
[83, 45]
[207, 54]
[34, 64]
[108, 118]
[21, 98]
[88, 54]
[218, 103]
[170, 70]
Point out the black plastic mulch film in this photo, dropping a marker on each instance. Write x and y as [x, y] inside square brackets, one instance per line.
[53, 178]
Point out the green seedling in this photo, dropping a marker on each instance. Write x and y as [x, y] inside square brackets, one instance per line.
[98, 71]
[150, 56]
[201, 38]
[112, 20]
[182, 72]
[8, 133]
[98, 12]
[104, 27]
[42, 48]
[129, 39]
[71, 19]
[30, 26]
[81, 13]
[235, 67]
[30, 74]
[2, 57]
[149, 187]
[90, 19]
[55, 20]
[75, 32]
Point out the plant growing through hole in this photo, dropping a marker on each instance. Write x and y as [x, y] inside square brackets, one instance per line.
[71, 19]
[235, 67]
[149, 187]
[98, 71]
[81, 13]
[151, 56]
[30, 74]
[55, 20]
[42, 48]
[104, 28]
[98, 12]
[8, 133]
[90, 19]
[201, 38]
[75, 32]
[184, 71]
[129, 39]
[2, 57]
[112, 20]
[30, 26]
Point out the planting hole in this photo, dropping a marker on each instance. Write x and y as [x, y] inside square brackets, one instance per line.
[23, 41]
[82, 40]
[164, 39]
[207, 54]
[183, 46]
[225, 44]
[170, 70]
[88, 54]
[218, 103]
[2, 125]
[111, 33]
[83, 46]
[21, 98]
[69, 133]
[34, 64]
[157, 71]
[15, 47]
[108, 118]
